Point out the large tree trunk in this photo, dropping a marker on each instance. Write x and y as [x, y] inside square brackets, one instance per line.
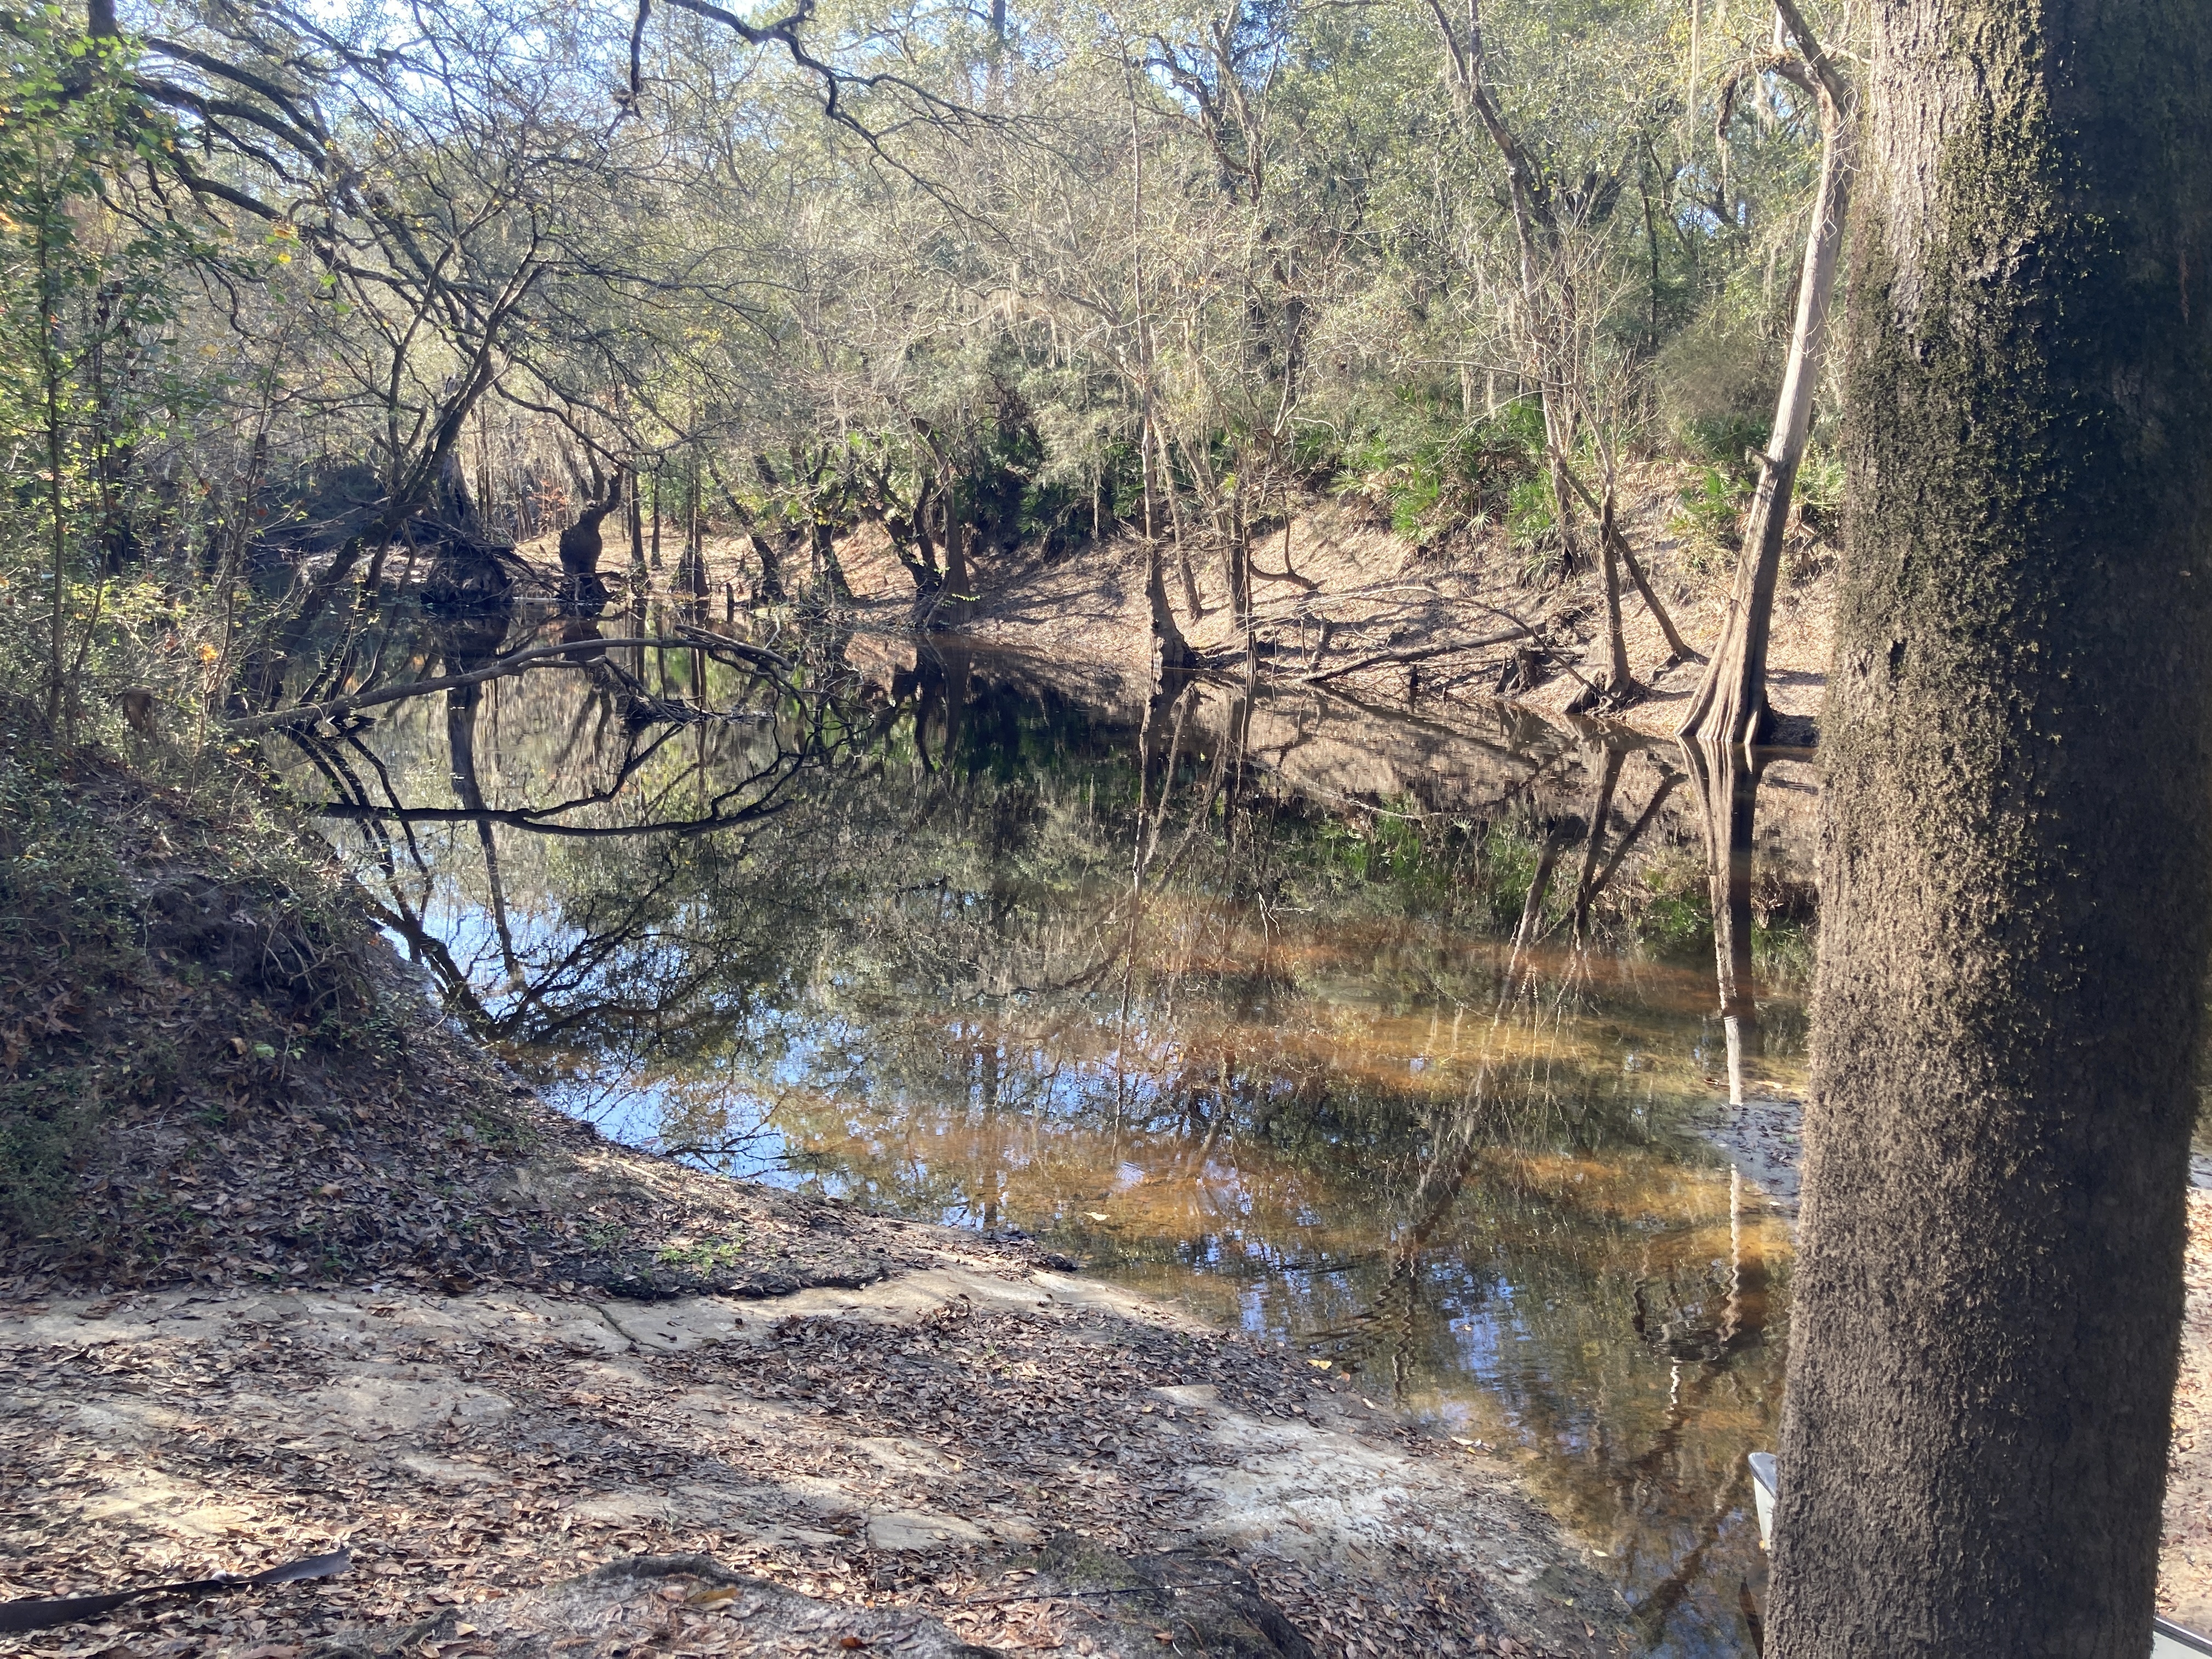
[583, 544]
[947, 607]
[1730, 704]
[2016, 856]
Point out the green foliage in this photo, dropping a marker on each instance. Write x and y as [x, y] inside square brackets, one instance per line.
[1673, 916]
[1432, 471]
[704, 1256]
[1781, 952]
[89, 384]
[1727, 442]
[1717, 382]
[1711, 521]
[1819, 497]
[1511, 852]
[1532, 529]
[1397, 860]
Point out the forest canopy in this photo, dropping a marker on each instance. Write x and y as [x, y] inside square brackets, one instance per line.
[304, 299]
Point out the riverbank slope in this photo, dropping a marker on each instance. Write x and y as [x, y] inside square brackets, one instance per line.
[1342, 600]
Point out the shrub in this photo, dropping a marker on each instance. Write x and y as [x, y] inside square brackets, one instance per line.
[1532, 530]
[1431, 472]
[1711, 521]
[1717, 379]
[1672, 915]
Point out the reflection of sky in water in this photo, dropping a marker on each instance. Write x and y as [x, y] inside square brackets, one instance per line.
[1480, 1337]
[1557, 1276]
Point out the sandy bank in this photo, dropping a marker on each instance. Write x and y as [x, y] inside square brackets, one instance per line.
[975, 1451]
[1341, 601]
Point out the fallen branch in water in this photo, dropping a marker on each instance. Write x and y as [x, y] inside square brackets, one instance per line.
[307, 713]
[1386, 659]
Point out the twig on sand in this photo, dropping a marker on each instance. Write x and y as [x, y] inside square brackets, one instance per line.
[1386, 659]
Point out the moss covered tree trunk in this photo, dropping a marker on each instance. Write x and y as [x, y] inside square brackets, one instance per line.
[2015, 859]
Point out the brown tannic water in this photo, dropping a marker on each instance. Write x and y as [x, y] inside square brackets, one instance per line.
[1241, 999]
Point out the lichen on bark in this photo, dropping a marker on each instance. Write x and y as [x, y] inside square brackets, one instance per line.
[2018, 876]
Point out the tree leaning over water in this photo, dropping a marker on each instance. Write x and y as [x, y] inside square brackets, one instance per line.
[2015, 903]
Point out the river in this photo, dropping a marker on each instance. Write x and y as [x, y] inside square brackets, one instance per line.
[1385, 1032]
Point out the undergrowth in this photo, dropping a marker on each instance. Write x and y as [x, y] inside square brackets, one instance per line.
[1432, 472]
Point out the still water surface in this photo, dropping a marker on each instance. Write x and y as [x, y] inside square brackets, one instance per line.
[1243, 999]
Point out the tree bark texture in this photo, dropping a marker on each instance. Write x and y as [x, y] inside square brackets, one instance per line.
[2014, 854]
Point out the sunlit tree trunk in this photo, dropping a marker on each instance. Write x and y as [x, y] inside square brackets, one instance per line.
[2016, 865]
[1619, 680]
[1730, 704]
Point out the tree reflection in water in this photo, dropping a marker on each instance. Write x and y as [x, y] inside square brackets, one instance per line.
[1336, 1025]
